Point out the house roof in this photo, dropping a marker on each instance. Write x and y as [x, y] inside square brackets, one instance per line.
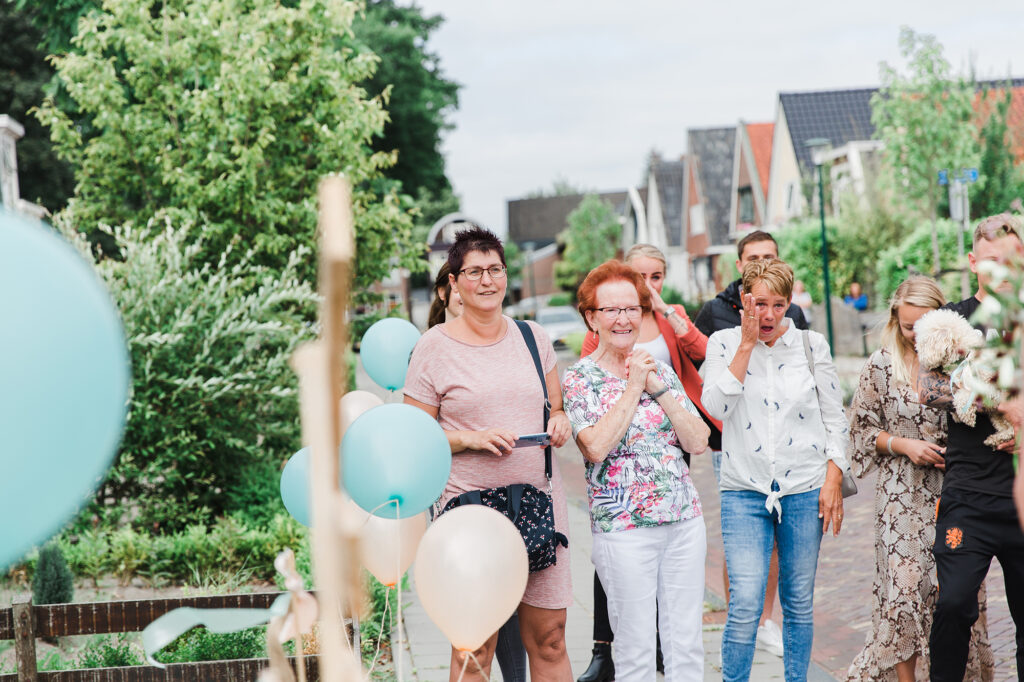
[840, 116]
[541, 219]
[760, 136]
[669, 177]
[714, 149]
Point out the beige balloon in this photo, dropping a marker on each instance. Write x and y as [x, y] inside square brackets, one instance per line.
[388, 546]
[471, 572]
[355, 403]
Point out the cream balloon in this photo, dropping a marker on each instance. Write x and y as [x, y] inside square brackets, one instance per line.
[471, 572]
[388, 546]
[355, 403]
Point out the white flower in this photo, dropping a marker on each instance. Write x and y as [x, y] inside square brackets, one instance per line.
[1006, 372]
[990, 306]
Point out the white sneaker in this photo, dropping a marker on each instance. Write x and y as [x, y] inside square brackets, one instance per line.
[769, 638]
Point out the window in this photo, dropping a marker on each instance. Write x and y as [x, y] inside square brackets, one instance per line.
[696, 219]
[746, 206]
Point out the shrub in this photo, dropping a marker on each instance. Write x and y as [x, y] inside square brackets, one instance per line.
[53, 582]
[109, 651]
[199, 644]
[913, 255]
[561, 298]
[214, 402]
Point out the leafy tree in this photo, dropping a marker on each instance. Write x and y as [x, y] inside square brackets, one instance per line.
[925, 117]
[52, 582]
[1000, 181]
[592, 237]
[911, 256]
[42, 176]
[561, 187]
[227, 114]
[213, 396]
[418, 96]
[58, 20]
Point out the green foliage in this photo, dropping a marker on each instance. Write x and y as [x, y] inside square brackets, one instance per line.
[52, 582]
[232, 112]
[925, 117]
[515, 261]
[1000, 181]
[197, 555]
[561, 298]
[418, 97]
[41, 175]
[214, 402]
[592, 237]
[199, 644]
[377, 626]
[110, 651]
[913, 256]
[855, 240]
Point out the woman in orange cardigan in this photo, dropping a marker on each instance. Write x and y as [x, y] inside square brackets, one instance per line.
[668, 334]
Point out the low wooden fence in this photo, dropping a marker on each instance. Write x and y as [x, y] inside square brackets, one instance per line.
[24, 623]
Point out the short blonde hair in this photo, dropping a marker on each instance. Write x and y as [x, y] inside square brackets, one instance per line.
[918, 291]
[996, 226]
[773, 272]
[645, 251]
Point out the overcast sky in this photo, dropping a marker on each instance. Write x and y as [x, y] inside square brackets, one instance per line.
[584, 89]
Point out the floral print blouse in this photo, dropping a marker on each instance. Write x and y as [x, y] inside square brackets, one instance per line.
[643, 482]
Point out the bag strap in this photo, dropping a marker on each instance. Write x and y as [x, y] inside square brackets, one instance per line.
[531, 343]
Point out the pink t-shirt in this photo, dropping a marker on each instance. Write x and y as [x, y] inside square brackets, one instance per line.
[487, 387]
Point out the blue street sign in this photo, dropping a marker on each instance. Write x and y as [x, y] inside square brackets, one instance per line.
[943, 177]
[972, 175]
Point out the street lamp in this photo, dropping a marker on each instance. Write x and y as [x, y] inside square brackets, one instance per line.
[815, 145]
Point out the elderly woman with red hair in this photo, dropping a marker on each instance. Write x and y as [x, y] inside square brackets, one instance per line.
[632, 421]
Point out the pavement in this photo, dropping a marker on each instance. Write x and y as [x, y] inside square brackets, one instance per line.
[843, 599]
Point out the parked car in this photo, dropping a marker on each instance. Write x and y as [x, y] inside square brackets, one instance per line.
[560, 322]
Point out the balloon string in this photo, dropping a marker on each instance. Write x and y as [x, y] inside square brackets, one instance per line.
[398, 570]
[380, 635]
[465, 662]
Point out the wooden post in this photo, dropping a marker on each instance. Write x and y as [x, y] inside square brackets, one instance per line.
[323, 379]
[25, 641]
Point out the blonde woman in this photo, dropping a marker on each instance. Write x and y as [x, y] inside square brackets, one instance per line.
[893, 432]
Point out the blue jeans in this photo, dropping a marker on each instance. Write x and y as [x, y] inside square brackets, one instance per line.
[749, 531]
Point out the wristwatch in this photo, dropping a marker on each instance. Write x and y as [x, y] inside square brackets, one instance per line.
[671, 311]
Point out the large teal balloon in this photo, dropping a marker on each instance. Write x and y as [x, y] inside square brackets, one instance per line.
[64, 374]
[295, 487]
[385, 351]
[395, 452]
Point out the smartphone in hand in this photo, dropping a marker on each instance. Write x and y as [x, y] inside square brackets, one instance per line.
[532, 440]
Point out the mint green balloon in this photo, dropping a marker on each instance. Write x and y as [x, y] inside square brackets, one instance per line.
[64, 376]
[385, 351]
[395, 457]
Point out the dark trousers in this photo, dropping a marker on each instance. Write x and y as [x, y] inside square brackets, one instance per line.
[971, 528]
[510, 652]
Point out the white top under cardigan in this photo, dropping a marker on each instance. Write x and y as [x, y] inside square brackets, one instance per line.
[773, 429]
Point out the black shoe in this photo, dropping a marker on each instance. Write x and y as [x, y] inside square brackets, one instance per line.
[601, 668]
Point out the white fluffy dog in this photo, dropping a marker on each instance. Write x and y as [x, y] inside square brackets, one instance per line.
[946, 341]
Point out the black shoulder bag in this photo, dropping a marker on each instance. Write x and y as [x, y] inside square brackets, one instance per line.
[528, 508]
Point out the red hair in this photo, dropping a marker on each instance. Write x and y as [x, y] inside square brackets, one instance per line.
[610, 271]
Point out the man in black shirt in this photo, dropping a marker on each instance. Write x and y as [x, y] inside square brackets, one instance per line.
[976, 518]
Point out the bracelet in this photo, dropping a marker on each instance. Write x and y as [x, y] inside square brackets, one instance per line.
[671, 311]
[888, 446]
[655, 396]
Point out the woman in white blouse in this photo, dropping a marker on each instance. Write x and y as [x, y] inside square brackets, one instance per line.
[783, 441]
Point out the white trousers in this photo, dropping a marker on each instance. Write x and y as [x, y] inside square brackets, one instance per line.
[648, 570]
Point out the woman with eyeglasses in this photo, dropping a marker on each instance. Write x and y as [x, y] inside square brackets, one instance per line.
[667, 333]
[476, 376]
[633, 421]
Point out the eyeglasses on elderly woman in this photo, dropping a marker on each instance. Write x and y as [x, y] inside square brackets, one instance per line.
[633, 312]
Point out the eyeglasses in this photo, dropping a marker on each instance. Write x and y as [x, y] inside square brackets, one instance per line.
[495, 271]
[633, 312]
